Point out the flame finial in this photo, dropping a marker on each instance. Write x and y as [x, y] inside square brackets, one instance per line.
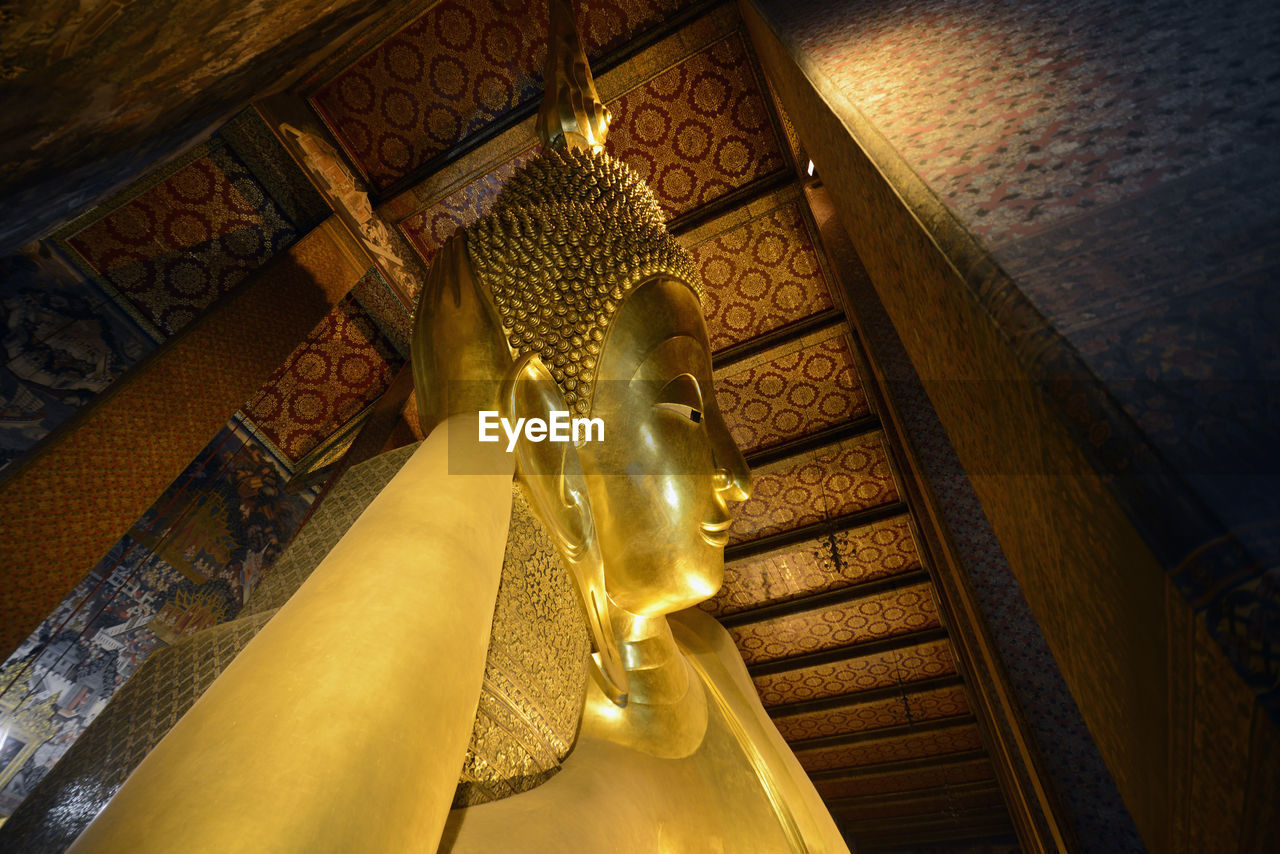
[572, 113]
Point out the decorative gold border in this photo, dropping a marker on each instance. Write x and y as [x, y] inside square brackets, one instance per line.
[742, 215]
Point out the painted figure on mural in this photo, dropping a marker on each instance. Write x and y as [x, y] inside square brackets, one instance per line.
[59, 351]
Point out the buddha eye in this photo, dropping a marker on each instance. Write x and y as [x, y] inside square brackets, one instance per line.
[683, 397]
[694, 415]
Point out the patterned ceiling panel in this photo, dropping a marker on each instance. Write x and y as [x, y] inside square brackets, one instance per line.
[909, 707]
[921, 778]
[759, 275]
[837, 560]
[697, 131]
[846, 719]
[894, 749]
[179, 245]
[429, 228]
[791, 395]
[458, 67]
[842, 478]
[894, 612]
[864, 673]
[343, 365]
[938, 703]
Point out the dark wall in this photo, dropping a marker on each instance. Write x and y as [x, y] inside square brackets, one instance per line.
[1065, 208]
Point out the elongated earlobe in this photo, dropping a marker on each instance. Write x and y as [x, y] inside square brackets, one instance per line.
[552, 476]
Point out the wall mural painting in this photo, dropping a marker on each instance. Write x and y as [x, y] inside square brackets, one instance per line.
[189, 563]
[63, 342]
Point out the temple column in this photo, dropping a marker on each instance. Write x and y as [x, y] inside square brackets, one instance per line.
[66, 505]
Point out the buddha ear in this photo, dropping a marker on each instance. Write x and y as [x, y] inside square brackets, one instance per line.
[549, 470]
[552, 475]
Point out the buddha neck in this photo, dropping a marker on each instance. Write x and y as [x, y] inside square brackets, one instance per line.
[655, 668]
[666, 710]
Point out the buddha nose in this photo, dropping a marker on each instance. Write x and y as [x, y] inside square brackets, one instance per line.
[732, 476]
[734, 486]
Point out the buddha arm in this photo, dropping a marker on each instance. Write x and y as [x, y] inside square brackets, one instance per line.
[342, 726]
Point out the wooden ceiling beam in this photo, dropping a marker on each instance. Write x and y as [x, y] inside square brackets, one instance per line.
[744, 195]
[805, 444]
[907, 795]
[940, 820]
[998, 832]
[738, 551]
[826, 599]
[735, 353]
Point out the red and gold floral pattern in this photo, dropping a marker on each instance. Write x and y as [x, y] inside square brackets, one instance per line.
[177, 247]
[864, 673]
[792, 395]
[759, 276]
[854, 718]
[909, 707]
[343, 365]
[950, 740]
[882, 615]
[842, 478]
[453, 70]
[849, 557]
[697, 131]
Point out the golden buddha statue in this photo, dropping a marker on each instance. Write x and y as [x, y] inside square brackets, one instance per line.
[334, 732]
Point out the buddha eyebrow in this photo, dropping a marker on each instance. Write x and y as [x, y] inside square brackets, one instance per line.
[655, 351]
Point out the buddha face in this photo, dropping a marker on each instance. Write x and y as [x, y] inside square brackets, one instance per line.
[661, 482]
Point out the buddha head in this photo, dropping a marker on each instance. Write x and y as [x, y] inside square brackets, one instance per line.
[572, 292]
